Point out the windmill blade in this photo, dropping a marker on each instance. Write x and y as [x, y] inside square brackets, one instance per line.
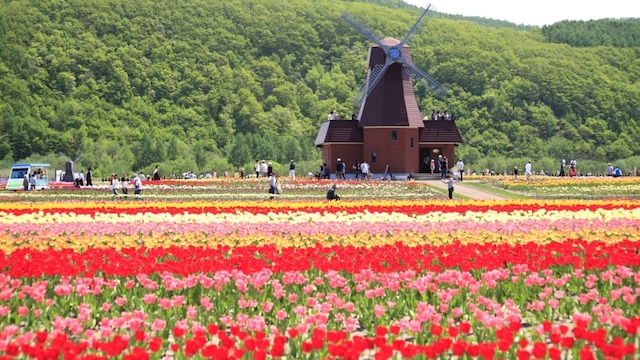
[359, 95]
[65, 157]
[420, 75]
[80, 157]
[362, 28]
[375, 75]
[426, 15]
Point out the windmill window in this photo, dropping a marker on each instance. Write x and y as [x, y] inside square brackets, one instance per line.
[411, 143]
[394, 135]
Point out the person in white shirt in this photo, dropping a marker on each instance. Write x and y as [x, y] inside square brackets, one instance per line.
[364, 167]
[527, 170]
[115, 185]
[273, 185]
[460, 167]
[137, 186]
[264, 169]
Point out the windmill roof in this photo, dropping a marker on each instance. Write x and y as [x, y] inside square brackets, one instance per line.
[389, 41]
[440, 131]
[340, 131]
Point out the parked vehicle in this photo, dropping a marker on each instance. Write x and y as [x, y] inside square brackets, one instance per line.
[20, 171]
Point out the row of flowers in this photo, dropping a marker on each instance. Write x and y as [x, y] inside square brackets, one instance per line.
[394, 257]
[411, 207]
[572, 188]
[237, 189]
[308, 279]
[503, 313]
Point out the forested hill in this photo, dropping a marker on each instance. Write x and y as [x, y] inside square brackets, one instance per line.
[212, 85]
[605, 32]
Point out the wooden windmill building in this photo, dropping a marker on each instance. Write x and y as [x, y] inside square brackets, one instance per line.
[389, 129]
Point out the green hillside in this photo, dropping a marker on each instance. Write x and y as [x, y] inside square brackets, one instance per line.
[213, 85]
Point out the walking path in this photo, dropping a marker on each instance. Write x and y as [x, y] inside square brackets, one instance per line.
[470, 192]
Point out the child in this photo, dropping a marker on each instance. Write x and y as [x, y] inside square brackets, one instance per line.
[449, 181]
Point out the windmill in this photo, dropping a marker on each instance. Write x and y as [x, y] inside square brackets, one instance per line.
[391, 70]
[388, 128]
[68, 168]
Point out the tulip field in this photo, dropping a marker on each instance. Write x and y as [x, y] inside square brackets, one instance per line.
[395, 271]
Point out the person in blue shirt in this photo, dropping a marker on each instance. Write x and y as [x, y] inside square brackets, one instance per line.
[617, 172]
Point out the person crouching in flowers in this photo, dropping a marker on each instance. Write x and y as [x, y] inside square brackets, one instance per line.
[115, 185]
[331, 193]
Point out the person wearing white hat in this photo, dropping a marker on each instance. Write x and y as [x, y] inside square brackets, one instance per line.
[137, 186]
[340, 169]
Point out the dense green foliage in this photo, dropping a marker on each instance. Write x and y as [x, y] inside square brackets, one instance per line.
[607, 32]
[213, 85]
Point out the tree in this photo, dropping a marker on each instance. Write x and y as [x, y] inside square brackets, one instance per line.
[240, 153]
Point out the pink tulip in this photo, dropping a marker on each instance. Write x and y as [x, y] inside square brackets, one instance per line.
[158, 325]
[149, 298]
[206, 303]
[165, 303]
[281, 314]
[456, 312]
[300, 310]
[192, 312]
[106, 306]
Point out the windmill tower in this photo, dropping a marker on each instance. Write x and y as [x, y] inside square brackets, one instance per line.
[68, 168]
[389, 85]
[390, 127]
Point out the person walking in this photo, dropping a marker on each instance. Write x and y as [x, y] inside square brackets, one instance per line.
[124, 183]
[32, 182]
[339, 169]
[460, 167]
[115, 185]
[264, 169]
[527, 170]
[90, 176]
[256, 168]
[156, 173]
[442, 162]
[292, 170]
[273, 185]
[137, 186]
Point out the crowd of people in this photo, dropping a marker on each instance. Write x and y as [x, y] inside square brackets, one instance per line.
[117, 184]
[441, 115]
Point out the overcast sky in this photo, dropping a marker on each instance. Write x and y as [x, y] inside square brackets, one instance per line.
[538, 12]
